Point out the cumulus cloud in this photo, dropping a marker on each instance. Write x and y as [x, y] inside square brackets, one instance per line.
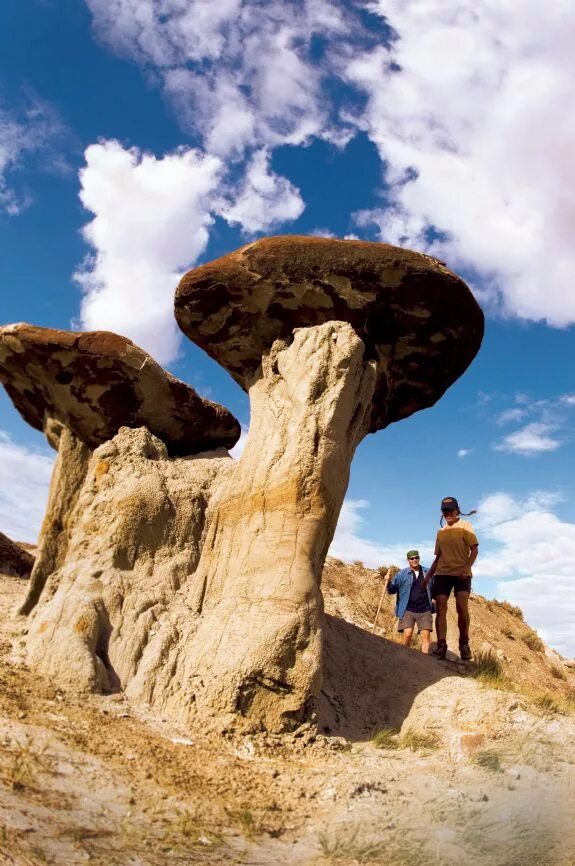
[532, 557]
[349, 542]
[243, 74]
[468, 109]
[463, 452]
[24, 481]
[465, 103]
[151, 222]
[535, 438]
[264, 198]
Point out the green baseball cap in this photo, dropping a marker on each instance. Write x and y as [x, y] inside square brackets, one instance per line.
[411, 553]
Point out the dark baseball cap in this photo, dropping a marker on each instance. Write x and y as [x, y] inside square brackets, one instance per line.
[449, 503]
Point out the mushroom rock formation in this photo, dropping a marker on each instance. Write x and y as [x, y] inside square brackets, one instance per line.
[193, 583]
[14, 560]
[80, 388]
[332, 339]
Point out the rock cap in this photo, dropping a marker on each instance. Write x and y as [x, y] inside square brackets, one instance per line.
[96, 382]
[418, 320]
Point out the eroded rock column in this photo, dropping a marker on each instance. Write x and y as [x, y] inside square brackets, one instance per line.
[67, 478]
[256, 650]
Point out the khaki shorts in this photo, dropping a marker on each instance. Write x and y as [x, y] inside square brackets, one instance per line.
[424, 621]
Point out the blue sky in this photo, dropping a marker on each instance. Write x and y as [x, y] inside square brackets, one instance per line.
[141, 137]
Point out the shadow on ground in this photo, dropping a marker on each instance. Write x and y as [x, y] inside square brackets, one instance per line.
[370, 682]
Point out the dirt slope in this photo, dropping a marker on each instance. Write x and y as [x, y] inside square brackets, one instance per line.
[98, 780]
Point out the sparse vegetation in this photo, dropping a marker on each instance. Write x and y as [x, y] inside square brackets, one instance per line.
[509, 633]
[385, 738]
[558, 673]
[351, 845]
[388, 738]
[248, 824]
[488, 759]
[512, 609]
[357, 563]
[533, 641]
[418, 741]
[487, 668]
[550, 703]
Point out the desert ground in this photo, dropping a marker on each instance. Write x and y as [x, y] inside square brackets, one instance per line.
[413, 761]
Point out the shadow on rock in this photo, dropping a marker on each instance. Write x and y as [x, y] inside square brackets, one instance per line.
[369, 682]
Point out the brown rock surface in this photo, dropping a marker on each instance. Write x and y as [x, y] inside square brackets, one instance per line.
[13, 558]
[418, 321]
[96, 382]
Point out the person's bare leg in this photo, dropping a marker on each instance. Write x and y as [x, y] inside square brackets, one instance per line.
[425, 636]
[441, 618]
[406, 636]
[462, 606]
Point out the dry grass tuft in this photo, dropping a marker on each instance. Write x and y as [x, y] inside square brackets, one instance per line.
[385, 738]
[533, 641]
[417, 741]
[558, 673]
[487, 669]
[489, 759]
[352, 846]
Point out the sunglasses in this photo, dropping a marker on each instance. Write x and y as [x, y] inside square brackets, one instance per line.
[413, 557]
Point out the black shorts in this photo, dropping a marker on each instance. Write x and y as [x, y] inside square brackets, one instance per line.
[444, 583]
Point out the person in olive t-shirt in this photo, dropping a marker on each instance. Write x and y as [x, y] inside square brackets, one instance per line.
[456, 549]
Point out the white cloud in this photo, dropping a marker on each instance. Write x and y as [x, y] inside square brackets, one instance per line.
[463, 452]
[532, 439]
[264, 199]
[533, 560]
[568, 399]
[349, 545]
[24, 481]
[510, 415]
[466, 107]
[151, 221]
[471, 118]
[238, 449]
[25, 133]
[241, 73]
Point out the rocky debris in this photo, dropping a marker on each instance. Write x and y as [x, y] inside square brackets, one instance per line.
[95, 382]
[332, 340]
[418, 321]
[14, 559]
[79, 389]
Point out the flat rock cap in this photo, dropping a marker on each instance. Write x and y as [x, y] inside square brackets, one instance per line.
[418, 320]
[96, 382]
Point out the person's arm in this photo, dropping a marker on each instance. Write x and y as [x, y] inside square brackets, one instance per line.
[473, 552]
[392, 586]
[430, 574]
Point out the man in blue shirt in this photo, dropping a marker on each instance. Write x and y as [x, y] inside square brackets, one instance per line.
[414, 605]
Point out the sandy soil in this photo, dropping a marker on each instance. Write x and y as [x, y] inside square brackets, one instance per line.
[94, 779]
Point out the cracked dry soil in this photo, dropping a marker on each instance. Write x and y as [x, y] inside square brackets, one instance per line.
[93, 779]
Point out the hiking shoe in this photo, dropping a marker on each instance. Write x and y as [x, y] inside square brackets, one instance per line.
[465, 652]
[440, 651]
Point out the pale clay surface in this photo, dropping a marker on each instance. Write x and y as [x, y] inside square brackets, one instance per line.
[193, 583]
